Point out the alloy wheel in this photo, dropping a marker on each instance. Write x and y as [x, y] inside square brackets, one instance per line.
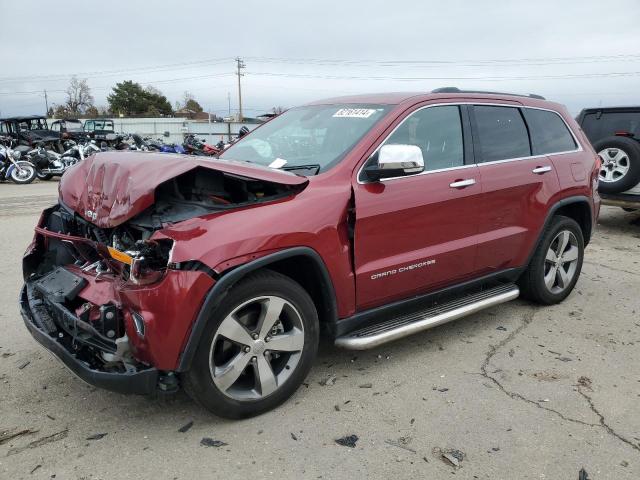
[561, 261]
[615, 164]
[256, 348]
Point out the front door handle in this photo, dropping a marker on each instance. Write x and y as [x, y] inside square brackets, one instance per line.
[541, 170]
[463, 183]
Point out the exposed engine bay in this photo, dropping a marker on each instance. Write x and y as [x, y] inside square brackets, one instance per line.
[202, 191]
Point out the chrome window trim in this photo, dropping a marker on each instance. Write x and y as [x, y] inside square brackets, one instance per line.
[475, 164]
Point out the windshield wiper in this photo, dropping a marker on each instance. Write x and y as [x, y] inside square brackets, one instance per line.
[313, 168]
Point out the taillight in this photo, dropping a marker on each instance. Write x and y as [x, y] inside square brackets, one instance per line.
[623, 133]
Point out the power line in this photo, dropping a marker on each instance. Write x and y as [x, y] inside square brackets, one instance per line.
[337, 62]
[413, 79]
[170, 80]
[449, 63]
[106, 73]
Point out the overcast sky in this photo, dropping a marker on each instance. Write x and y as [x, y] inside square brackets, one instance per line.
[581, 53]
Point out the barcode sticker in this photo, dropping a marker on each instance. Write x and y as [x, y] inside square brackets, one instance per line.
[354, 113]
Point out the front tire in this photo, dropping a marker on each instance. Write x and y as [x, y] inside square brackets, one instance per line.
[257, 348]
[43, 176]
[23, 175]
[556, 264]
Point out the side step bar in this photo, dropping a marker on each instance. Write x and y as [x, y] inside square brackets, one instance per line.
[408, 324]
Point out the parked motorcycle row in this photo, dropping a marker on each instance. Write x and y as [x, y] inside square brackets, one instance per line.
[22, 164]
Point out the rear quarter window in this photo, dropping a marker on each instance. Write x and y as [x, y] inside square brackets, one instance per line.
[549, 133]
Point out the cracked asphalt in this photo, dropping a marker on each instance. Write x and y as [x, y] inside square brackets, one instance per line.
[522, 391]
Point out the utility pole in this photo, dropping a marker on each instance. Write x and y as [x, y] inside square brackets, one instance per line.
[46, 104]
[229, 102]
[240, 65]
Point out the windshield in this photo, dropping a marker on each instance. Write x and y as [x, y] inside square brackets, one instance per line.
[104, 125]
[73, 126]
[34, 124]
[311, 139]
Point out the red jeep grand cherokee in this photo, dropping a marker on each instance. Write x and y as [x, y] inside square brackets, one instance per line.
[365, 218]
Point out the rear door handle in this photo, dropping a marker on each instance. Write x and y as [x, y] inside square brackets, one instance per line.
[541, 170]
[463, 183]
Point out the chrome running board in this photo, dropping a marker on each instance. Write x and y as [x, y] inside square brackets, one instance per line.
[408, 324]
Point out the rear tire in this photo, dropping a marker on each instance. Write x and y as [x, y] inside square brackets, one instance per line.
[43, 176]
[555, 266]
[620, 168]
[244, 366]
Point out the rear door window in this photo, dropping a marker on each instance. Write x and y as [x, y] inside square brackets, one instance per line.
[501, 133]
[549, 133]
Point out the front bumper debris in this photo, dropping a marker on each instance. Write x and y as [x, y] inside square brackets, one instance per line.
[40, 324]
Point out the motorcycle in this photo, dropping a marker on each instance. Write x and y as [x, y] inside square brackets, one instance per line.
[11, 167]
[150, 145]
[194, 146]
[49, 164]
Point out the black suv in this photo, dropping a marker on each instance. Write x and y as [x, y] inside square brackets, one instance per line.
[614, 133]
[30, 131]
[100, 129]
[69, 129]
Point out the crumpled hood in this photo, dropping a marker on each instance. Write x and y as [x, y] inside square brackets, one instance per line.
[109, 188]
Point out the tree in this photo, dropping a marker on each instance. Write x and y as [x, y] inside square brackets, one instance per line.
[190, 103]
[50, 112]
[91, 112]
[129, 98]
[79, 97]
[278, 110]
[60, 111]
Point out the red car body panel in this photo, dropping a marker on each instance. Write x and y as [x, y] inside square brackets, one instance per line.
[314, 217]
[167, 322]
[428, 238]
[512, 210]
[439, 235]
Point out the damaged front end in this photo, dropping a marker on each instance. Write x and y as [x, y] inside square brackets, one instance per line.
[81, 300]
[102, 292]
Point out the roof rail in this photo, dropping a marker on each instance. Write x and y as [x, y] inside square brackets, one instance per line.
[457, 90]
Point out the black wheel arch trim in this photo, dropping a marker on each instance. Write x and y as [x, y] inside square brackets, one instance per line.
[226, 281]
[552, 212]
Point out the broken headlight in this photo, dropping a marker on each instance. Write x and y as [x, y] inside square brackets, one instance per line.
[146, 262]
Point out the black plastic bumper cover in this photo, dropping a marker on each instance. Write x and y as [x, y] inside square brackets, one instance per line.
[142, 383]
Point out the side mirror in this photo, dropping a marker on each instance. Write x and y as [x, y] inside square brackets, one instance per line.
[396, 161]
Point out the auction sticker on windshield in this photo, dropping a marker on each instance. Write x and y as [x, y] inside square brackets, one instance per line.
[354, 113]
